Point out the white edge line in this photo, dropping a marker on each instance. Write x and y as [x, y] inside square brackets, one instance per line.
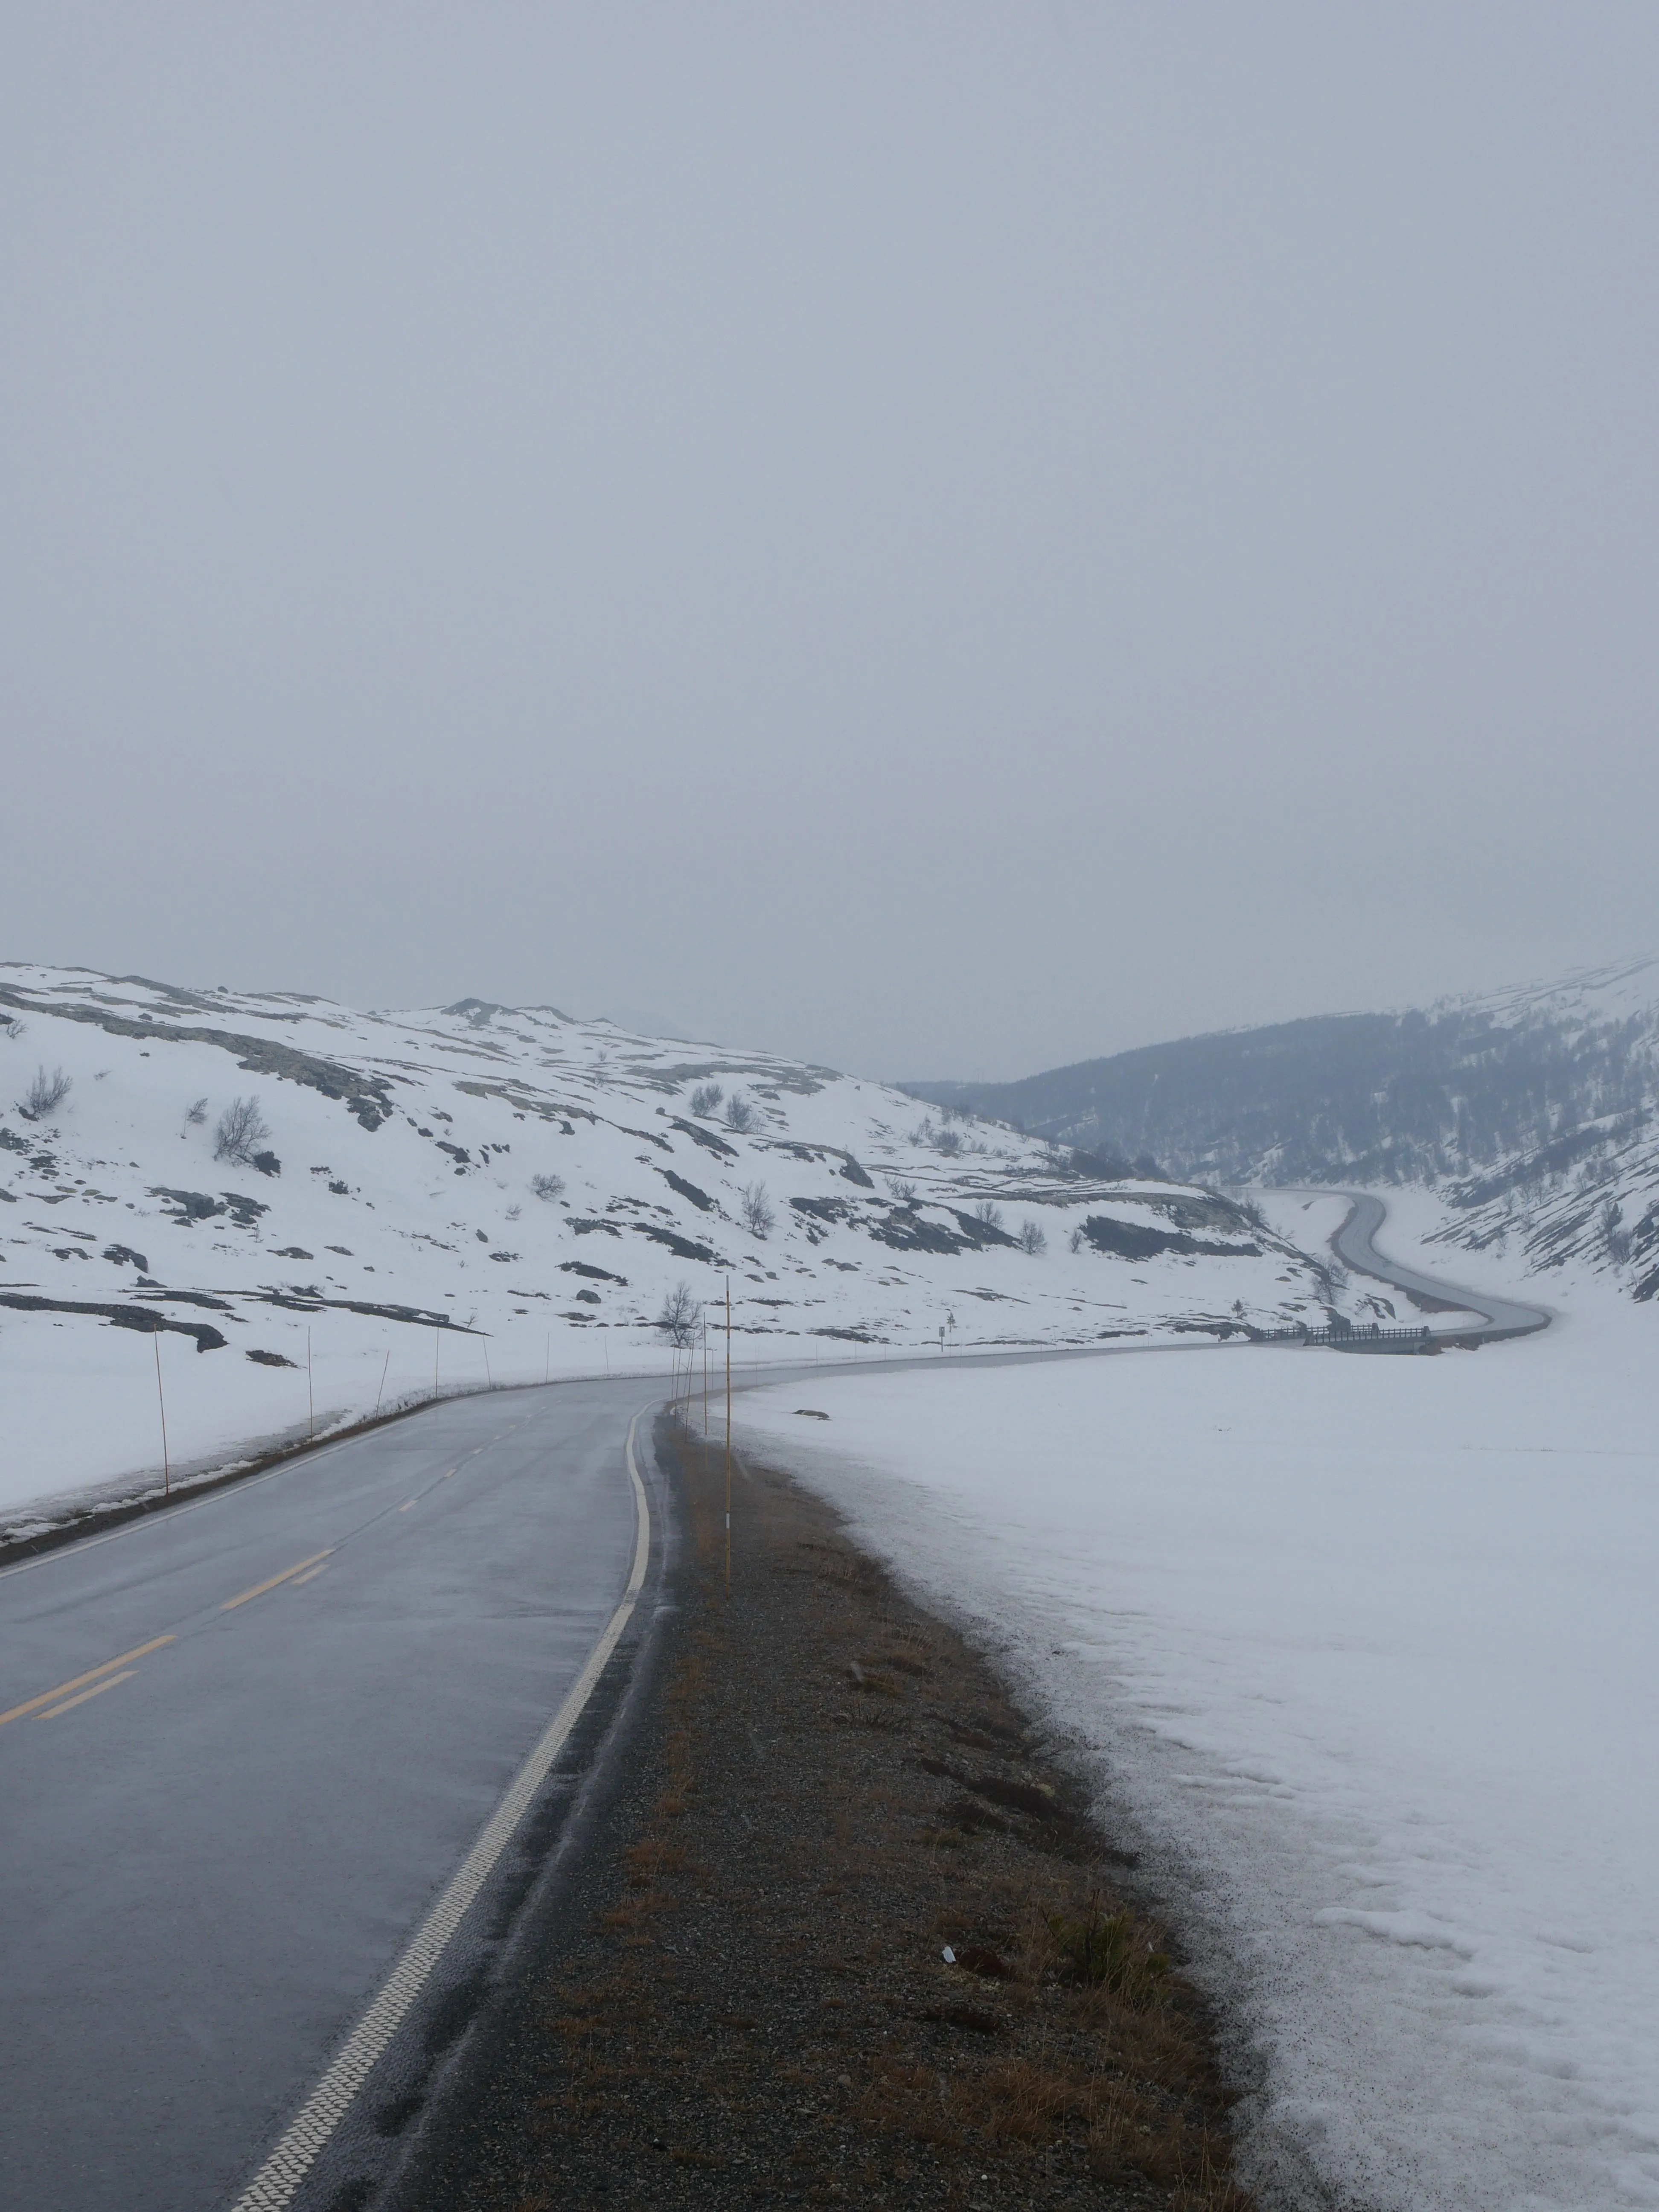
[282, 2172]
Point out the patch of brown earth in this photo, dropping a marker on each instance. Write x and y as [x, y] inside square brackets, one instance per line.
[763, 2012]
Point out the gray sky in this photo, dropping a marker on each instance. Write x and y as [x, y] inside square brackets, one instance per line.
[946, 539]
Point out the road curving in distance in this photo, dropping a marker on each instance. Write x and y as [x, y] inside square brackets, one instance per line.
[1354, 1244]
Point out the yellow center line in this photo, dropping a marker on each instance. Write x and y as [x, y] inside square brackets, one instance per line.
[309, 1576]
[96, 1690]
[63, 1689]
[405, 1507]
[286, 1574]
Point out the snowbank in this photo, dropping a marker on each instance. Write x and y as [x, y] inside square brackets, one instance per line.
[1368, 1653]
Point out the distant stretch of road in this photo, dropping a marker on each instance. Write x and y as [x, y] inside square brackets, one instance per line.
[1353, 1243]
[248, 1747]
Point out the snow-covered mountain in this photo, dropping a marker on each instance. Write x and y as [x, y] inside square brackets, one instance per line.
[1534, 1112]
[341, 1207]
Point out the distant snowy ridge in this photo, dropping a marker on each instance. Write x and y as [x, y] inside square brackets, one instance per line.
[1533, 1111]
[524, 1189]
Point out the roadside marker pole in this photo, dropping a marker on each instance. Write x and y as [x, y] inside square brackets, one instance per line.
[489, 1380]
[311, 1395]
[380, 1393]
[167, 1465]
[434, 1363]
[729, 1432]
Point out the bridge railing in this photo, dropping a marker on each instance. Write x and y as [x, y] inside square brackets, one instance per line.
[1349, 1336]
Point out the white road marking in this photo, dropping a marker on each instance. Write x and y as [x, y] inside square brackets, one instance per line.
[273, 2187]
[310, 1575]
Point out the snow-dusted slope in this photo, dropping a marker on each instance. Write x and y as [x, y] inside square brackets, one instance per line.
[1583, 1190]
[1534, 1111]
[488, 1191]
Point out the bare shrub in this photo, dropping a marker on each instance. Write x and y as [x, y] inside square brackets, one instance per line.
[241, 1130]
[990, 1213]
[1616, 1237]
[757, 1214]
[680, 1316]
[1032, 1239]
[514, 1211]
[196, 1113]
[949, 1141]
[548, 1187]
[706, 1098]
[904, 1191]
[45, 1093]
[740, 1115]
[1074, 1243]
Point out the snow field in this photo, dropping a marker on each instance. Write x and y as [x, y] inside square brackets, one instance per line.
[1365, 1656]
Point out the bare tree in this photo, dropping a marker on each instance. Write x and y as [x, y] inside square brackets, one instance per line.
[195, 1112]
[904, 1191]
[549, 1186]
[1617, 1238]
[989, 1214]
[706, 1098]
[740, 1115]
[240, 1132]
[680, 1315]
[45, 1093]
[757, 1209]
[1032, 1239]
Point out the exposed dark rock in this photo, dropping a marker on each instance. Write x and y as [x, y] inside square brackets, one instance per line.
[1137, 1240]
[708, 1139]
[903, 1228]
[681, 1247]
[143, 1318]
[688, 1190]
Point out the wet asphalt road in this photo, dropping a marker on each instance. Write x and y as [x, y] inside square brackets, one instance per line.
[211, 1854]
[1352, 1243]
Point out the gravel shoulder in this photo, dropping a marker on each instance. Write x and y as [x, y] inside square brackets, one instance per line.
[748, 1999]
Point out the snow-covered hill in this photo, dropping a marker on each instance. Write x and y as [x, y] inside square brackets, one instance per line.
[484, 1192]
[1581, 1189]
[1533, 1111]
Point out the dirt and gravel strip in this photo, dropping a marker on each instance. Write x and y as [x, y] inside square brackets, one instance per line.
[755, 2005]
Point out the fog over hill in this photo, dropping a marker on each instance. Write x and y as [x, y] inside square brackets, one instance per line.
[1534, 1110]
